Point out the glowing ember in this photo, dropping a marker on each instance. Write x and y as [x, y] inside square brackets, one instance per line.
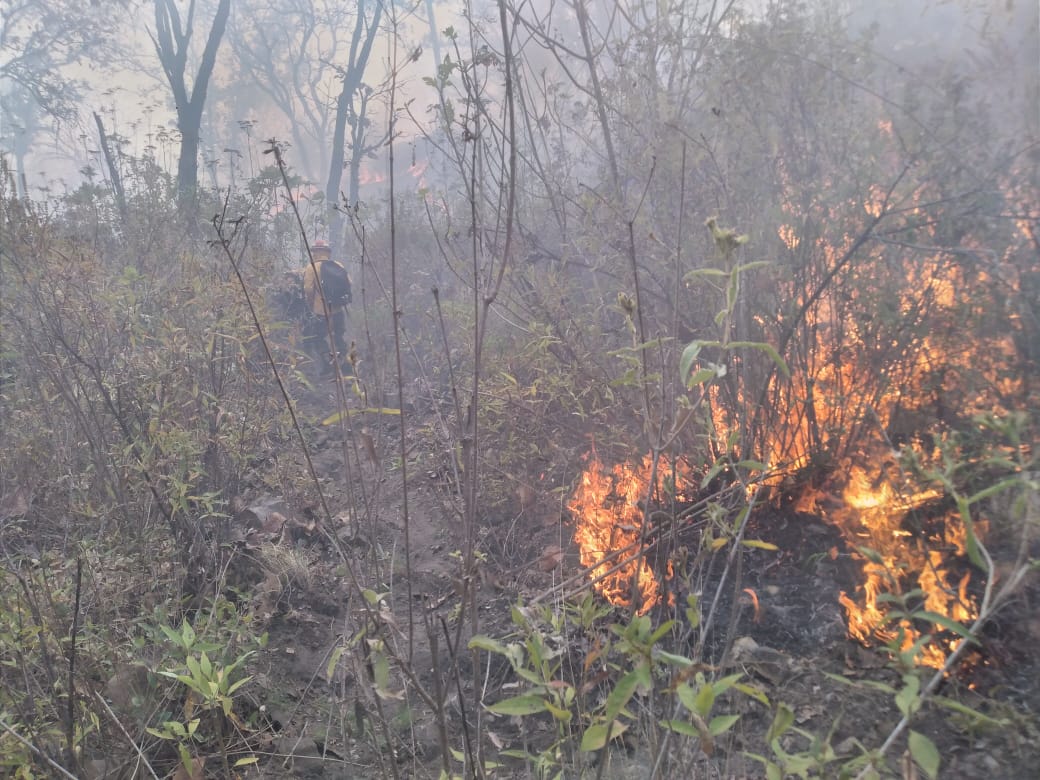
[609, 528]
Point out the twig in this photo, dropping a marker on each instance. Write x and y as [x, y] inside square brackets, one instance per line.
[399, 365]
[734, 551]
[37, 751]
[126, 734]
[612, 555]
[71, 714]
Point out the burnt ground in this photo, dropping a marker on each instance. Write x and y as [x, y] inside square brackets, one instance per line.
[793, 646]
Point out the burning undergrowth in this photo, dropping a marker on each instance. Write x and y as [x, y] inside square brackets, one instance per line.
[614, 529]
[914, 589]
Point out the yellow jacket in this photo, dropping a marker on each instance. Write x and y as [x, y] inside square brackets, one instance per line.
[334, 283]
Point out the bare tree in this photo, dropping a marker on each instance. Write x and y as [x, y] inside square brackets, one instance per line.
[361, 41]
[301, 80]
[39, 41]
[40, 38]
[172, 40]
[315, 84]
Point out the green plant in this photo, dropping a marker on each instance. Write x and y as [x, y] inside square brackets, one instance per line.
[209, 667]
[626, 682]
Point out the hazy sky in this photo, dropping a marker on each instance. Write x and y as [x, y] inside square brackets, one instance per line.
[134, 100]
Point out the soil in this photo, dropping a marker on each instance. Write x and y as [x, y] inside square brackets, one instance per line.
[787, 637]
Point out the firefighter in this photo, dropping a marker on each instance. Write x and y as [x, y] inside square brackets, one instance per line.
[328, 311]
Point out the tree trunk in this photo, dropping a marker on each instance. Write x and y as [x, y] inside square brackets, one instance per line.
[360, 50]
[113, 170]
[171, 45]
[189, 122]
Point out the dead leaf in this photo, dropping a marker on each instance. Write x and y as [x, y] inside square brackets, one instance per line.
[806, 713]
[908, 767]
[14, 504]
[127, 687]
[369, 444]
[552, 556]
[527, 495]
[267, 593]
[198, 766]
[274, 524]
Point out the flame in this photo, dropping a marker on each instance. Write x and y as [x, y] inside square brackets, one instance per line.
[905, 372]
[873, 518]
[607, 507]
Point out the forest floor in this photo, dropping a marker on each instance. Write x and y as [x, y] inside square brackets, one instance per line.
[790, 641]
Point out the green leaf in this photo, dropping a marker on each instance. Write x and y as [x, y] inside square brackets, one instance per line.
[925, 754]
[372, 597]
[727, 682]
[681, 727]
[782, 721]
[769, 349]
[562, 715]
[697, 273]
[704, 700]
[992, 490]
[872, 684]
[525, 704]
[195, 668]
[672, 659]
[171, 634]
[173, 727]
[622, 692]
[238, 684]
[700, 376]
[205, 666]
[758, 544]
[687, 696]
[978, 717]
[772, 770]
[755, 693]
[948, 623]
[186, 762]
[330, 668]
[598, 734]
[380, 665]
[481, 642]
[752, 465]
[689, 354]
[246, 761]
[721, 723]
[523, 755]
[753, 264]
[906, 699]
[871, 555]
[663, 629]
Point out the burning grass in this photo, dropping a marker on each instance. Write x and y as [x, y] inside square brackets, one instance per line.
[608, 507]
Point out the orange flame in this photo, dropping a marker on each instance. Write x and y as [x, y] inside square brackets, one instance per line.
[608, 509]
[873, 518]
